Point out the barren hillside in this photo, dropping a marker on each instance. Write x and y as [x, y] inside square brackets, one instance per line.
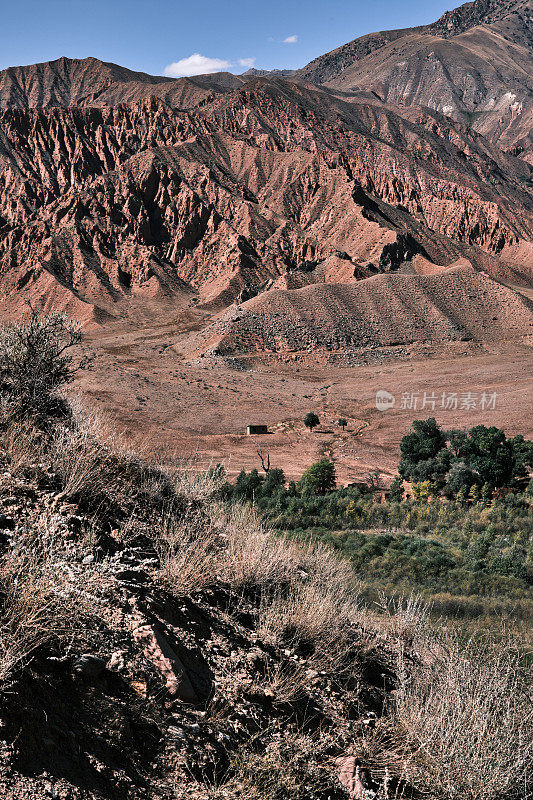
[383, 311]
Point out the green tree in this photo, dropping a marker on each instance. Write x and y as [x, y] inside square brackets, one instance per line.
[248, 485]
[422, 456]
[457, 439]
[523, 453]
[488, 453]
[311, 420]
[461, 496]
[342, 423]
[474, 493]
[396, 490]
[423, 490]
[486, 493]
[292, 489]
[318, 479]
[274, 481]
[460, 477]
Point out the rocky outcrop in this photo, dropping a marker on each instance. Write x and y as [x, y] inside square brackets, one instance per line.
[160, 692]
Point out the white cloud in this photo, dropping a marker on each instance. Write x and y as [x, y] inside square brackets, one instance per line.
[247, 62]
[196, 65]
[291, 39]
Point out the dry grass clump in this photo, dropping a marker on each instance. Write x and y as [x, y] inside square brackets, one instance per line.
[199, 485]
[307, 596]
[24, 444]
[319, 623]
[254, 556]
[285, 765]
[42, 601]
[97, 471]
[404, 620]
[461, 721]
[90, 463]
[188, 552]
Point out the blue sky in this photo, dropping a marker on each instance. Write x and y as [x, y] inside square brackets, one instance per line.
[151, 36]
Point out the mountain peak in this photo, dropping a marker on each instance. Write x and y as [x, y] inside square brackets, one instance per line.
[478, 12]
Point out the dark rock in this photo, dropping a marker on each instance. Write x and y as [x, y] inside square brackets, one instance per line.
[89, 666]
[6, 523]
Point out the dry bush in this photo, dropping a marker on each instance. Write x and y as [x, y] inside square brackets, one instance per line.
[464, 720]
[35, 364]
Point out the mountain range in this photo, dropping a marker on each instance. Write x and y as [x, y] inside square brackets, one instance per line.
[401, 153]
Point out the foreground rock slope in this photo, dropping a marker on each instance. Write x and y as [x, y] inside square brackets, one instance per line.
[139, 656]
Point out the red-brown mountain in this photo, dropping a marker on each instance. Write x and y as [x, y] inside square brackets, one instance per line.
[85, 82]
[117, 186]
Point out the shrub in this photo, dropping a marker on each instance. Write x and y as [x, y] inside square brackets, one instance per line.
[35, 363]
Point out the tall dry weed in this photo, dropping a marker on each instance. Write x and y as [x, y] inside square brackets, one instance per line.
[465, 719]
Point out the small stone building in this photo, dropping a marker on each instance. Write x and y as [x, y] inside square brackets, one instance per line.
[255, 430]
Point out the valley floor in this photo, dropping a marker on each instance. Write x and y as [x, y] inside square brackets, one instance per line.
[199, 409]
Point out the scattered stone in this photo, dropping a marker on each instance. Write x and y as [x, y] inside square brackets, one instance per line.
[352, 777]
[117, 661]
[6, 523]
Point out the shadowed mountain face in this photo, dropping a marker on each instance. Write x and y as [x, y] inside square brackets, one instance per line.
[115, 184]
[475, 64]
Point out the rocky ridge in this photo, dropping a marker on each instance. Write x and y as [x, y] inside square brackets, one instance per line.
[381, 312]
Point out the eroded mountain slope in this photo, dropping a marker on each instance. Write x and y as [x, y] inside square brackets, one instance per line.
[100, 203]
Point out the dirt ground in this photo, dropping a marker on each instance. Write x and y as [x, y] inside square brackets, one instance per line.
[198, 410]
